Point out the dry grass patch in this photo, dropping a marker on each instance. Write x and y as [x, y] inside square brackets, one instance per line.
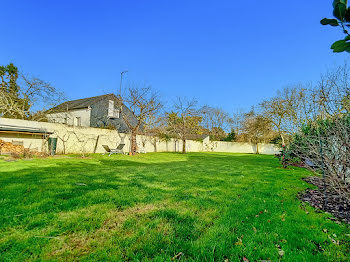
[77, 244]
[117, 218]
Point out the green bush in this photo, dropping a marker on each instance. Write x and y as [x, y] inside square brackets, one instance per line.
[230, 137]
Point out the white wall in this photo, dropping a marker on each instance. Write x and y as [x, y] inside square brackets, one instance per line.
[35, 142]
[85, 139]
[70, 117]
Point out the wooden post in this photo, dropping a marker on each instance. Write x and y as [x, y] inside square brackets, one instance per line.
[98, 137]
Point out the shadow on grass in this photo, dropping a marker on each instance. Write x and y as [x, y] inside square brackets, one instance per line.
[68, 184]
[72, 184]
[67, 180]
[219, 196]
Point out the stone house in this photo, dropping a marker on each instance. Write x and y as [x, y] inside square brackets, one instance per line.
[103, 111]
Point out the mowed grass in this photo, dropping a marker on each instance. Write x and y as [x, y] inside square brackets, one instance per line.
[162, 206]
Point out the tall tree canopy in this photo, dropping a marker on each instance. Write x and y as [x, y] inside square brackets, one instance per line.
[12, 103]
[25, 97]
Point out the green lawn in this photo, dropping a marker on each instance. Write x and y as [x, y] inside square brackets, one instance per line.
[199, 206]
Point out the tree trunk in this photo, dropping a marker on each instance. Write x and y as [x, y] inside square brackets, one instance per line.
[282, 138]
[257, 148]
[183, 146]
[155, 145]
[133, 147]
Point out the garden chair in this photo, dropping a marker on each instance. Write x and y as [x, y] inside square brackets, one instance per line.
[118, 150]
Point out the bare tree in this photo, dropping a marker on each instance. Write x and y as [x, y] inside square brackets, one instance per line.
[64, 138]
[184, 120]
[236, 121]
[283, 110]
[41, 95]
[323, 143]
[25, 97]
[332, 94]
[143, 103]
[216, 120]
[256, 129]
[323, 146]
[155, 127]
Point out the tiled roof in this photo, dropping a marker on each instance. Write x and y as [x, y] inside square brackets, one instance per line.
[82, 103]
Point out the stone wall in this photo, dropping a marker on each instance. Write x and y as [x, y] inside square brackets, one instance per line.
[90, 140]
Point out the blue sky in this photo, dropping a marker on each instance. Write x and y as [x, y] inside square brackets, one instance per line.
[230, 54]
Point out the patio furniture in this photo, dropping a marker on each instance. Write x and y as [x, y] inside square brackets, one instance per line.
[118, 150]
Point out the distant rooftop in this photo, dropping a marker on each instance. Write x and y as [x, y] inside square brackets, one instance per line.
[81, 103]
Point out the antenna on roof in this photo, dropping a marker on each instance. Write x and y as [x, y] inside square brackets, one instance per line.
[121, 81]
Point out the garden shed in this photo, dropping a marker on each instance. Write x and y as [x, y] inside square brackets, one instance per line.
[13, 139]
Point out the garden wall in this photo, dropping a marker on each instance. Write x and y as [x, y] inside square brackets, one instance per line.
[90, 140]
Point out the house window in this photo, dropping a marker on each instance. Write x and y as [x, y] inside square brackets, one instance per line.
[110, 108]
[112, 112]
[116, 113]
[78, 121]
